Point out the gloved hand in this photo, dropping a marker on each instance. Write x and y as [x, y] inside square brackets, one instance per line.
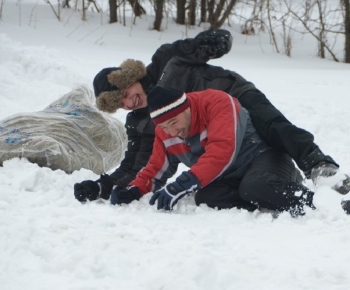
[213, 43]
[92, 190]
[170, 194]
[125, 195]
[87, 189]
[345, 204]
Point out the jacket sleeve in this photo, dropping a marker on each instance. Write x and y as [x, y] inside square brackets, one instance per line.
[183, 48]
[190, 50]
[160, 167]
[140, 132]
[224, 136]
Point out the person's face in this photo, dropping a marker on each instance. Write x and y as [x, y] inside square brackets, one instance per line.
[178, 126]
[134, 97]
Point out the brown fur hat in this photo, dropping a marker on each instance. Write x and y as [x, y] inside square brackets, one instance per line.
[109, 83]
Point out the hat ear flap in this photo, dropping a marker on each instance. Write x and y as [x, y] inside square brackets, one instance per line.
[131, 71]
[109, 102]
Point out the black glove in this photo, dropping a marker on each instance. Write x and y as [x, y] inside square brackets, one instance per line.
[125, 195]
[345, 204]
[213, 43]
[92, 190]
[87, 189]
[170, 194]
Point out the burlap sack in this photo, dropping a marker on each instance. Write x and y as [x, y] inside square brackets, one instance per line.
[69, 134]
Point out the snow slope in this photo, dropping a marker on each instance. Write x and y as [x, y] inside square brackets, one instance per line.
[48, 240]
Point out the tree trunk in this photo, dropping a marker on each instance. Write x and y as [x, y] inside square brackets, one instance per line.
[159, 4]
[180, 12]
[65, 4]
[346, 4]
[218, 9]
[211, 6]
[113, 11]
[322, 33]
[216, 21]
[137, 8]
[203, 11]
[321, 45]
[84, 10]
[192, 12]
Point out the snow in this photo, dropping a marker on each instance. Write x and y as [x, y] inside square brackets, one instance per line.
[48, 240]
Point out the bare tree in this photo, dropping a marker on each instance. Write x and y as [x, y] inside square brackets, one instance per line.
[324, 20]
[316, 26]
[192, 12]
[158, 8]
[83, 10]
[346, 6]
[181, 12]
[1, 7]
[113, 16]
[272, 33]
[114, 5]
[256, 22]
[219, 12]
[93, 2]
[322, 30]
[203, 11]
[58, 12]
[34, 9]
[137, 7]
[65, 4]
[287, 39]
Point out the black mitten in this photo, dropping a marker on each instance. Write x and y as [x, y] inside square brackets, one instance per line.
[92, 190]
[213, 43]
[87, 189]
[125, 195]
[346, 206]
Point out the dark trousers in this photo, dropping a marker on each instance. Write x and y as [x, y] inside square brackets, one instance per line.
[275, 129]
[270, 182]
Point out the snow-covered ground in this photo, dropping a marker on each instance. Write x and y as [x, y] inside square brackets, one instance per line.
[48, 240]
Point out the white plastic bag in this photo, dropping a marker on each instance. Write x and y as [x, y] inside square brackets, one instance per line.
[69, 134]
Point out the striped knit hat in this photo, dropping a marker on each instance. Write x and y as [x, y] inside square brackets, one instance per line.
[166, 103]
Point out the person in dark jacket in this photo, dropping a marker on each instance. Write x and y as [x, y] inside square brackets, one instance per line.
[183, 65]
[229, 164]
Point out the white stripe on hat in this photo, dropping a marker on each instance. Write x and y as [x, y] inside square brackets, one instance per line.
[169, 107]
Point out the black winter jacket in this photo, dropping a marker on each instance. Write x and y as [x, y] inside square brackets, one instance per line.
[140, 132]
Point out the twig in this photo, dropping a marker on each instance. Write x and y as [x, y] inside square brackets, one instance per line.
[53, 9]
[31, 13]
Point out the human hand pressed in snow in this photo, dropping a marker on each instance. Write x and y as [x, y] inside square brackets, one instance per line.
[92, 190]
[125, 195]
[170, 194]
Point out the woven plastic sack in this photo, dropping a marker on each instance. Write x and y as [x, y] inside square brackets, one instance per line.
[69, 134]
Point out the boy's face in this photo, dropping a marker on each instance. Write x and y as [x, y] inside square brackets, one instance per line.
[134, 97]
[178, 126]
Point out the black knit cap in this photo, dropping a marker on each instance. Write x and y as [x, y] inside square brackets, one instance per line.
[166, 103]
[110, 82]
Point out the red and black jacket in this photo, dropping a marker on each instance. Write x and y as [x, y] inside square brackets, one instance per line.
[217, 146]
